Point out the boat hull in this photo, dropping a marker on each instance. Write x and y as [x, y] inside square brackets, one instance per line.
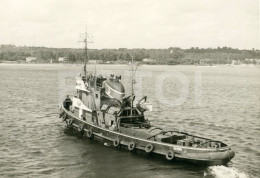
[201, 156]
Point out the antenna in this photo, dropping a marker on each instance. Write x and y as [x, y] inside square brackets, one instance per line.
[133, 70]
[132, 85]
[86, 36]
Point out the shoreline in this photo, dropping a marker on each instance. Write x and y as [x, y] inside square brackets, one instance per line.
[79, 64]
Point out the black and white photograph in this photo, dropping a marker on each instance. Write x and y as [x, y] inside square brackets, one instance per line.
[130, 88]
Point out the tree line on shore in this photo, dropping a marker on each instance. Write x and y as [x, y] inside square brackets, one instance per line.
[172, 55]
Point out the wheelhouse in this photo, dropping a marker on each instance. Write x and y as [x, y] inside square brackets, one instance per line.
[132, 118]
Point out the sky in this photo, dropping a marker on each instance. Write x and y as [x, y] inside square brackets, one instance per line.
[131, 23]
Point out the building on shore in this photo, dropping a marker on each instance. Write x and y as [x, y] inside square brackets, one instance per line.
[95, 61]
[254, 61]
[62, 59]
[30, 59]
[148, 61]
[205, 61]
[121, 62]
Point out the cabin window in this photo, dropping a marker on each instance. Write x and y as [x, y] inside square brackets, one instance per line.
[80, 95]
[127, 112]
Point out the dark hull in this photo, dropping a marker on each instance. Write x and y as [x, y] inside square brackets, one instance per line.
[201, 156]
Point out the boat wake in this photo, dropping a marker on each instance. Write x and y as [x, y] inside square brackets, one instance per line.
[223, 172]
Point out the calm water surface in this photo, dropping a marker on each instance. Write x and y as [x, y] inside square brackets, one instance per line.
[222, 103]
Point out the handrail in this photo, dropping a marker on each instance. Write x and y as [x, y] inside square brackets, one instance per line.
[155, 129]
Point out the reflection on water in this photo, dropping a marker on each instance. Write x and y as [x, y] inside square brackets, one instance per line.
[34, 142]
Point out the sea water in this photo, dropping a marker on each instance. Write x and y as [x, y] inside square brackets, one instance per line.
[218, 102]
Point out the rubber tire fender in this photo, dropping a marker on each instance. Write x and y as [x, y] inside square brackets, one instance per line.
[170, 155]
[81, 127]
[116, 142]
[62, 114]
[90, 134]
[149, 148]
[69, 122]
[131, 146]
[64, 117]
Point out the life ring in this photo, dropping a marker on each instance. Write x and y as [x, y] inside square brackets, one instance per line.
[81, 127]
[116, 142]
[90, 134]
[149, 148]
[131, 146]
[170, 155]
[69, 122]
[64, 117]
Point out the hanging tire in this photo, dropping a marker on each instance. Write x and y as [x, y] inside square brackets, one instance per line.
[170, 155]
[62, 114]
[131, 146]
[64, 117]
[69, 122]
[116, 142]
[149, 148]
[81, 127]
[90, 134]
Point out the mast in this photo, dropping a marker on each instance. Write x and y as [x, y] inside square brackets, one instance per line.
[85, 41]
[132, 85]
[86, 52]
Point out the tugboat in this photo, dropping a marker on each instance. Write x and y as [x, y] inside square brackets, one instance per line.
[102, 110]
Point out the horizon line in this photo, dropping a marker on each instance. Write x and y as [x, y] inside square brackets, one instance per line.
[252, 49]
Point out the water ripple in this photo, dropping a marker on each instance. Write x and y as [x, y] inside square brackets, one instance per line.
[34, 142]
